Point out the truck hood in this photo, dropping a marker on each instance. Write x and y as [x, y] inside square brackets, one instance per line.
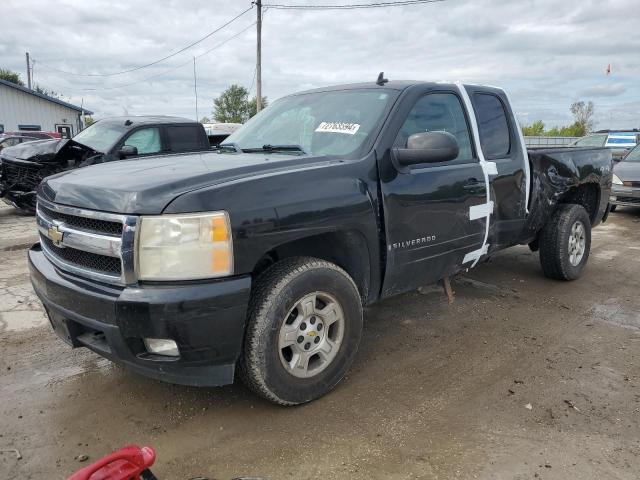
[627, 171]
[147, 186]
[43, 151]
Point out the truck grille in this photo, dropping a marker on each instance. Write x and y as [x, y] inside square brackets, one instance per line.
[91, 261]
[84, 223]
[88, 243]
[25, 176]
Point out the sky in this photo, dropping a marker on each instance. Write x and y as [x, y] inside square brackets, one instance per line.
[545, 53]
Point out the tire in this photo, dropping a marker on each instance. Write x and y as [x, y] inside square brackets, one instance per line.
[558, 258]
[612, 208]
[281, 308]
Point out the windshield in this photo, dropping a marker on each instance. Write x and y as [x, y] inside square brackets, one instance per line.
[100, 136]
[633, 156]
[591, 141]
[321, 123]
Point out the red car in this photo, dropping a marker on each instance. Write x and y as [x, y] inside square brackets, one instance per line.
[34, 134]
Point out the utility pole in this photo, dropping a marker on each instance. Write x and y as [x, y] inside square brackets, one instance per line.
[28, 71]
[195, 86]
[259, 58]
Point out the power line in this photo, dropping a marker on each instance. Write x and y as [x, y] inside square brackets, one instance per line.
[352, 6]
[154, 62]
[173, 68]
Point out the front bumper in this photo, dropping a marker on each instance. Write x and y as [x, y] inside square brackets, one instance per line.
[625, 196]
[205, 319]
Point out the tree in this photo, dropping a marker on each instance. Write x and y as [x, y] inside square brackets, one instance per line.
[88, 121]
[535, 130]
[583, 114]
[252, 107]
[44, 91]
[205, 120]
[234, 106]
[10, 76]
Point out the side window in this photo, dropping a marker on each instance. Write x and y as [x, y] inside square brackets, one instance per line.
[184, 138]
[493, 126]
[439, 112]
[146, 140]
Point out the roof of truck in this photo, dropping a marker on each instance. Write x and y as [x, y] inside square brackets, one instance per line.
[145, 119]
[397, 85]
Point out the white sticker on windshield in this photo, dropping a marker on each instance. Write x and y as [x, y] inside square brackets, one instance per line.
[338, 127]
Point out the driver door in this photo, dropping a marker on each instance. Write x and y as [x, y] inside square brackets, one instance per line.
[426, 208]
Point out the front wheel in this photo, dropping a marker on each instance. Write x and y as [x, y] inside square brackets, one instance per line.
[303, 331]
[565, 242]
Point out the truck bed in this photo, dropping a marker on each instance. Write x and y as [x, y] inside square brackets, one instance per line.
[557, 174]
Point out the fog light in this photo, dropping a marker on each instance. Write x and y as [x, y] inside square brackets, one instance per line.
[161, 346]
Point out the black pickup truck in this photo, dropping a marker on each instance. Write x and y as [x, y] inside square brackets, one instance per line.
[257, 260]
[23, 166]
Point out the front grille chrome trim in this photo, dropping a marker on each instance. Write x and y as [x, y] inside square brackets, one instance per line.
[98, 243]
[81, 240]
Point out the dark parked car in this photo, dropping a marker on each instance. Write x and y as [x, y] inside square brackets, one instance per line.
[24, 166]
[257, 260]
[9, 140]
[626, 181]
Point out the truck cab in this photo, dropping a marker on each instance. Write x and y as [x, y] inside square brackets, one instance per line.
[256, 260]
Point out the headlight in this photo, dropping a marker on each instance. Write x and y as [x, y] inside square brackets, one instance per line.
[616, 180]
[185, 247]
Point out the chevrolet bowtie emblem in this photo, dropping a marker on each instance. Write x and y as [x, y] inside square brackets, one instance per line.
[55, 235]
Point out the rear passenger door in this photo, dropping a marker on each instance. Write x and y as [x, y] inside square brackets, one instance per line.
[500, 142]
[185, 138]
[427, 207]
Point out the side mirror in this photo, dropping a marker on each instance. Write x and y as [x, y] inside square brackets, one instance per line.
[428, 147]
[127, 151]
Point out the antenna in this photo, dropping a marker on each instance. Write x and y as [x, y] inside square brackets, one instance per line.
[381, 80]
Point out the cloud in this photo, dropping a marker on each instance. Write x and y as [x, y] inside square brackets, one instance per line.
[546, 53]
[614, 90]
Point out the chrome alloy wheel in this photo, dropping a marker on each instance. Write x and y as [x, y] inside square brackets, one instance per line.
[311, 335]
[577, 243]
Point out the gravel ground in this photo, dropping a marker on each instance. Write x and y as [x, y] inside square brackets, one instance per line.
[520, 378]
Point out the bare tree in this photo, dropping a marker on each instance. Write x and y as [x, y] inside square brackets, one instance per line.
[583, 114]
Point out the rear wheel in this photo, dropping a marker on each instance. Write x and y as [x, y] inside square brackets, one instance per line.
[565, 242]
[304, 327]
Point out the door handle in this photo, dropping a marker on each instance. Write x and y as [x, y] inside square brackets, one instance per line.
[473, 184]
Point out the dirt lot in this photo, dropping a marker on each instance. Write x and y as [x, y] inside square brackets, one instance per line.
[438, 391]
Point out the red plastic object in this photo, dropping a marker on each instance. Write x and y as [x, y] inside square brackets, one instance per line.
[128, 463]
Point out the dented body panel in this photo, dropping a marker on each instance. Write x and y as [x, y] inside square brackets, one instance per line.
[563, 175]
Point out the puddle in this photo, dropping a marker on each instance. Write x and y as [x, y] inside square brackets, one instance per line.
[613, 311]
[20, 320]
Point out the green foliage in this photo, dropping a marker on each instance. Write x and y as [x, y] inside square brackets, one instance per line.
[583, 114]
[252, 107]
[88, 121]
[535, 130]
[205, 120]
[44, 91]
[10, 76]
[234, 105]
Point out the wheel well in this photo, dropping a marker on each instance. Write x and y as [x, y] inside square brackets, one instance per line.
[587, 195]
[347, 249]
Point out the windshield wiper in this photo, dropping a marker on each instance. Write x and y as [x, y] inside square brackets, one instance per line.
[276, 148]
[232, 146]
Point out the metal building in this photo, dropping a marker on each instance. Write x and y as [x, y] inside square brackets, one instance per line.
[27, 110]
